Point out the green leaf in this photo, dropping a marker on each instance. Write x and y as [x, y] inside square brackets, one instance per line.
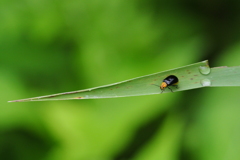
[191, 76]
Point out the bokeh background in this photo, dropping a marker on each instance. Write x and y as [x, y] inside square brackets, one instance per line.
[50, 46]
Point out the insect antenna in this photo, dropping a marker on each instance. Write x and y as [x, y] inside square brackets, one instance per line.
[155, 85]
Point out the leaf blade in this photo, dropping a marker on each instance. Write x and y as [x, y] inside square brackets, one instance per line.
[189, 78]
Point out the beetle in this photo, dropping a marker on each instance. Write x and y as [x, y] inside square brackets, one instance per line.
[168, 81]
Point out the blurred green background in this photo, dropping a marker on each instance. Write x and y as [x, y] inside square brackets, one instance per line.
[49, 46]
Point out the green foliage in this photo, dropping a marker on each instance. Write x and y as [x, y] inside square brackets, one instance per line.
[55, 46]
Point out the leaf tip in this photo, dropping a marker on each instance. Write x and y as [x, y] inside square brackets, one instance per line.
[20, 100]
[14, 101]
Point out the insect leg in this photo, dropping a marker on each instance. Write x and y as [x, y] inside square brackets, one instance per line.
[175, 86]
[155, 85]
[170, 89]
[162, 91]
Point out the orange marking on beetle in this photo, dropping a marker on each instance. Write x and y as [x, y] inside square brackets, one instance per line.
[163, 85]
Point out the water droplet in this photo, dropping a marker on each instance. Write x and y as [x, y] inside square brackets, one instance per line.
[204, 69]
[206, 82]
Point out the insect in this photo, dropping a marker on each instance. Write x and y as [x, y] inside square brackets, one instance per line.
[169, 81]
